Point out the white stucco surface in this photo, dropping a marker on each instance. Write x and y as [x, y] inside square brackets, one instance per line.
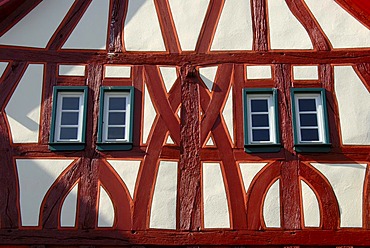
[258, 72]
[91, 31]
[347, 181]
[117, 71]
[271, 206]
[23, 108]
[149, 115]
[169, 76]
[169, 140]
[311, 209]
[68, 211]
[163, 211]
[106, 209]
[188, 16]
[127, 170]
[286, 32]
[72, 70]
[249, 171]
[215, 203]
[36, 29]
[210, 141]
[208, 75]
[35, 178]
[227, 114]
[305, 73]
[354, 106]
[141, 29]
[342, 29]
[234, 30]
[3, 66]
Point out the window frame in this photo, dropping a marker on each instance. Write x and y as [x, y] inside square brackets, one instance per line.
[273, 145]
[323, 144]
[119, 144]
[59, 92]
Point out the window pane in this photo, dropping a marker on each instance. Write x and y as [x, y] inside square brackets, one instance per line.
[310, 134]
[117, 118]
[117, 103]
[308, 120]
[307, 105]
[259, 105]
[71, 103]
[116, 133]
[68, 133]
[261, 135]
[69, 118]
[260, 120]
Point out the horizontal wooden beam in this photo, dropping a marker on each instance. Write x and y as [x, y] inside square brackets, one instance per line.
[192, 58]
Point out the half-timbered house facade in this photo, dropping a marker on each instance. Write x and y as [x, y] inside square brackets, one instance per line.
[184, 123]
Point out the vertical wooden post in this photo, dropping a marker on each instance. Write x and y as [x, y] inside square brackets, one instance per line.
[189, 193]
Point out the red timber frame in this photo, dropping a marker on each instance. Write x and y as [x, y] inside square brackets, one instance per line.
[189, 132]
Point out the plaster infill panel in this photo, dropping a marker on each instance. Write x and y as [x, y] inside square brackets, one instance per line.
[354, 106]
[208, 75]
[169, 76]
[311, 208]
[38, 26]
[3, 66]
[72, 70]
[227, 114]
[69, 209]
[117, 71]
[106, 209]
[234, 30]
[259, 72]
[215, 203]
[271, 206]
[141, 29]
[249, 171]
[149, 115]
[305, 73]
[23, 108]
[163, 210]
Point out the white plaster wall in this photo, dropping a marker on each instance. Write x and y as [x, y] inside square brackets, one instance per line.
[163, 211]
[210, 141]
[215, 203]
[23, 108]
[347, 181]
[305, 73]
[68, 211]
[354, 106]
[36, 29]
[72, 70]
[342, 29]
[188, 16]
[311, 209]
[141, 30]
[271, 206]
[227, 114]
[106, 209]
[258, 72]
[169, 76]
[208, 75]
[169, 140]
[127, 170]
[35, 178]
[286, 32]
[249, 171]
[91, 31]
[117, 71]
[149, 116]
[234, 30]
[3, 66]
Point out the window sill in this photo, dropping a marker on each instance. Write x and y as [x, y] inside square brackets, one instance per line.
[312, 147]
[66, 146]
[259, 148]
[114, 146]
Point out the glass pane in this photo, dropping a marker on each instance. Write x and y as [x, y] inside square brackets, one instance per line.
[260, 120]
[260, 105]
[68, 133]
[310, 134]
[308, 120]
[307, 104]
[69, 118]
[117, 118]
[71, 103]
[116, 133]
[261, 135]
[117, 103]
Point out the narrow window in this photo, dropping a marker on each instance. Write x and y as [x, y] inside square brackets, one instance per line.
[260, 116]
